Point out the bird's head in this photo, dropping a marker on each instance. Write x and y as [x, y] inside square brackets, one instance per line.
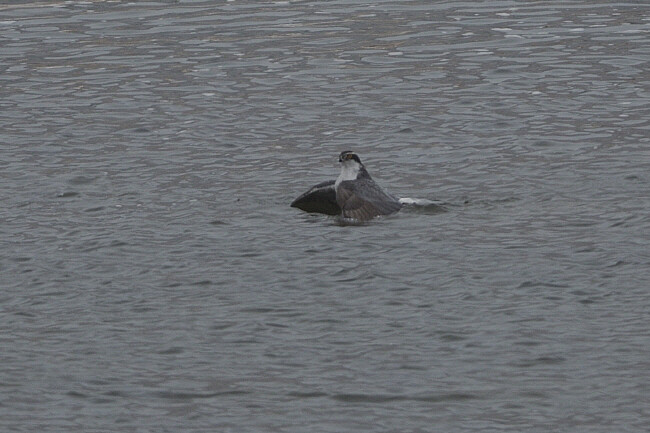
[351, 167]
[349, 158]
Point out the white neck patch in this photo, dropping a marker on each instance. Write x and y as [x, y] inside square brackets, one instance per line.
[349, 171]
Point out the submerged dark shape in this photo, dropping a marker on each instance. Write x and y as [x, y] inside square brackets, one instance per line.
[353, 195]
[320, 198]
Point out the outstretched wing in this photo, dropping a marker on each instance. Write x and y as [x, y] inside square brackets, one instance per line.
[320, 198]
[362, 199]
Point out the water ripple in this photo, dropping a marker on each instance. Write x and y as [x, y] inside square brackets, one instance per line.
[153, 273]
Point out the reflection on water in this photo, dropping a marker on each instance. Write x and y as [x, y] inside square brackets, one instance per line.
[153, 273]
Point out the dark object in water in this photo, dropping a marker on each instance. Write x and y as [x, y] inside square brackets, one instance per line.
[320, 198]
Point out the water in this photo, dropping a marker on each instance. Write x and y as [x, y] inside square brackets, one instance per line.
[154, 278]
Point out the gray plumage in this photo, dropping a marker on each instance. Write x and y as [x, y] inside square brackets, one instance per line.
[362, 199]
[353, 195]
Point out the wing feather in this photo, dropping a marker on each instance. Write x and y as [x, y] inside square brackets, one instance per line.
[320, 198]
[363, 199]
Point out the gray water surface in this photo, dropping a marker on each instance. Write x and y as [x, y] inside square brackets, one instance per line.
[154, 278]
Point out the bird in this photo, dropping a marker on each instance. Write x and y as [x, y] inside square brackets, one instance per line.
[353, 195]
